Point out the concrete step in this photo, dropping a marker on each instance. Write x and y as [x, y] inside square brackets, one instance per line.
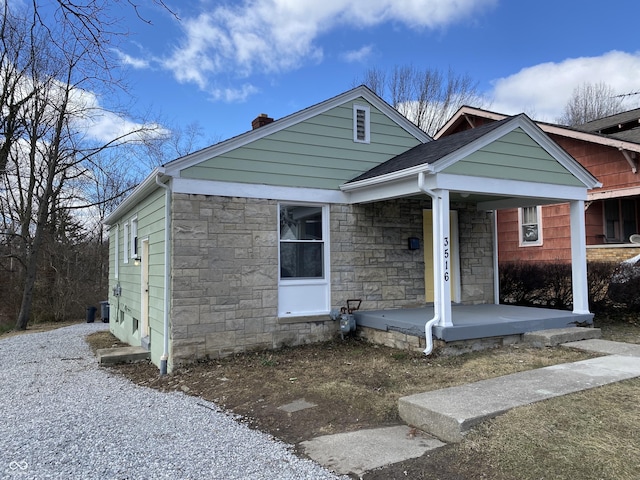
[557, 336]
[606, 347]
[122, 355]
[449, 413]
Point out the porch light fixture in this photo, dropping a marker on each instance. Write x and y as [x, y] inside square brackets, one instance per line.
[137, 260]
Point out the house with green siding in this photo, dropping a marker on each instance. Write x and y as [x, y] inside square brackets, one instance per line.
[250, 243]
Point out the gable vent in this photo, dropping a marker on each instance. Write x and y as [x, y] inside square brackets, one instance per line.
[361, 131]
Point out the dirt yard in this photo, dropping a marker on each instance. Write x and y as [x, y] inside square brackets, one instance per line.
[356, 385]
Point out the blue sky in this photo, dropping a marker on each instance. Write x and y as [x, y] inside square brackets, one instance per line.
[220, 64]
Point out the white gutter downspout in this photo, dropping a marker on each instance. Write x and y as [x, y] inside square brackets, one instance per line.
[167, 271]
[435, 206]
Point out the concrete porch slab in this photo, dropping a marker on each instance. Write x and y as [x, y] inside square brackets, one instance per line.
[364, 450]
[556, 336]
[472, 321]
[449, 413]
[121, 355]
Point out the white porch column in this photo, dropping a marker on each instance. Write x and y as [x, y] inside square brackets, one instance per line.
[579, 258]
[442, 272]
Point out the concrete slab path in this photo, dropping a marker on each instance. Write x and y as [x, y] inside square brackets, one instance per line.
[606, 347]
[364, 450]
[449, 413]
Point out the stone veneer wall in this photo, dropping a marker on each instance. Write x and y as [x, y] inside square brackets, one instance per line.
[225, 280]
[476, 254]
[225, 269]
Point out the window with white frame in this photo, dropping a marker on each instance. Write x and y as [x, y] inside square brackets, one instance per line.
[301, 242]
[361, 124]
[125, 243]
[530, 225]
[134, 237]
[303, 249]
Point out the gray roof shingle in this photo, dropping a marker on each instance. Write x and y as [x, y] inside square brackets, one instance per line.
[430, 152]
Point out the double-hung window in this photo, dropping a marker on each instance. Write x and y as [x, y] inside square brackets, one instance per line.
[303, 260]
[530, 224]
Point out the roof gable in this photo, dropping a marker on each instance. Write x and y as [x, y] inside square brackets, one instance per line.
[467, 117]
[315, 152]
[404, 128]
[513, 148]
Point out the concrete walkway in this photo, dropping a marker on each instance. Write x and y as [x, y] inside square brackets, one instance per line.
[449, 413]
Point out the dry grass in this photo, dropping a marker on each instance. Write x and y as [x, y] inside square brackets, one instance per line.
[35, 328]
[587, 435]
[590, 435]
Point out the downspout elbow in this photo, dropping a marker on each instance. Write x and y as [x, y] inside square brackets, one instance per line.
[428, 332]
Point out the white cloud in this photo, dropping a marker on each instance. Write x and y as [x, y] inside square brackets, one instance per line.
[360, 55]
[545, 89]
[234, 94]
[103, 126]
[280, 35]
[137, 63]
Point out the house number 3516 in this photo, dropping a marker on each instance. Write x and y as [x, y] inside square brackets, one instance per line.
[446, 259]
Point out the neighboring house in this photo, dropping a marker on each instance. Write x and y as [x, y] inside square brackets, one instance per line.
[609, 148]
[250, 243]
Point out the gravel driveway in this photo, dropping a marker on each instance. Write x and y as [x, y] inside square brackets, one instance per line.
[61, 416]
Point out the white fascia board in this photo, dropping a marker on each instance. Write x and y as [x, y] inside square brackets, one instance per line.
[467, 111]
[173, 168]
[557, 152]
[531, 129]
[251, 190]
[559, 130]
[504, 187]
[147, 186]
[617, 193]
[389, 177]
[399, 188]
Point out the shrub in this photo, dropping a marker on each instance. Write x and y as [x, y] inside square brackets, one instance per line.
[549, 285]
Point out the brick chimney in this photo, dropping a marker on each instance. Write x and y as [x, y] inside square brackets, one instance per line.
[261, 120]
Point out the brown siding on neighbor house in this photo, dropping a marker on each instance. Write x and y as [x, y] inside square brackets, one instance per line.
[556, 236]
[609, 166]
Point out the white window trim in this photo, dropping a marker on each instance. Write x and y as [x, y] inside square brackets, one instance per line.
[134, 237]
[325, 282]
[522, 241]
[125, 243]
[367, 123]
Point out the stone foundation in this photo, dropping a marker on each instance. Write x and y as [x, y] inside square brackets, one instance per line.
[413, 343]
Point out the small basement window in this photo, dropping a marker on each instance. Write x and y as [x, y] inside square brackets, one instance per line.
[361, 124]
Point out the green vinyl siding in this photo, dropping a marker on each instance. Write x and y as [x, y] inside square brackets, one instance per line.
[150, 215]
[316, 153]
[516, 156]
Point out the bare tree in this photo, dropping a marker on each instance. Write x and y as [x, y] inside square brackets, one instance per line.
[590, 101]
[427, 97]
[47, 73]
